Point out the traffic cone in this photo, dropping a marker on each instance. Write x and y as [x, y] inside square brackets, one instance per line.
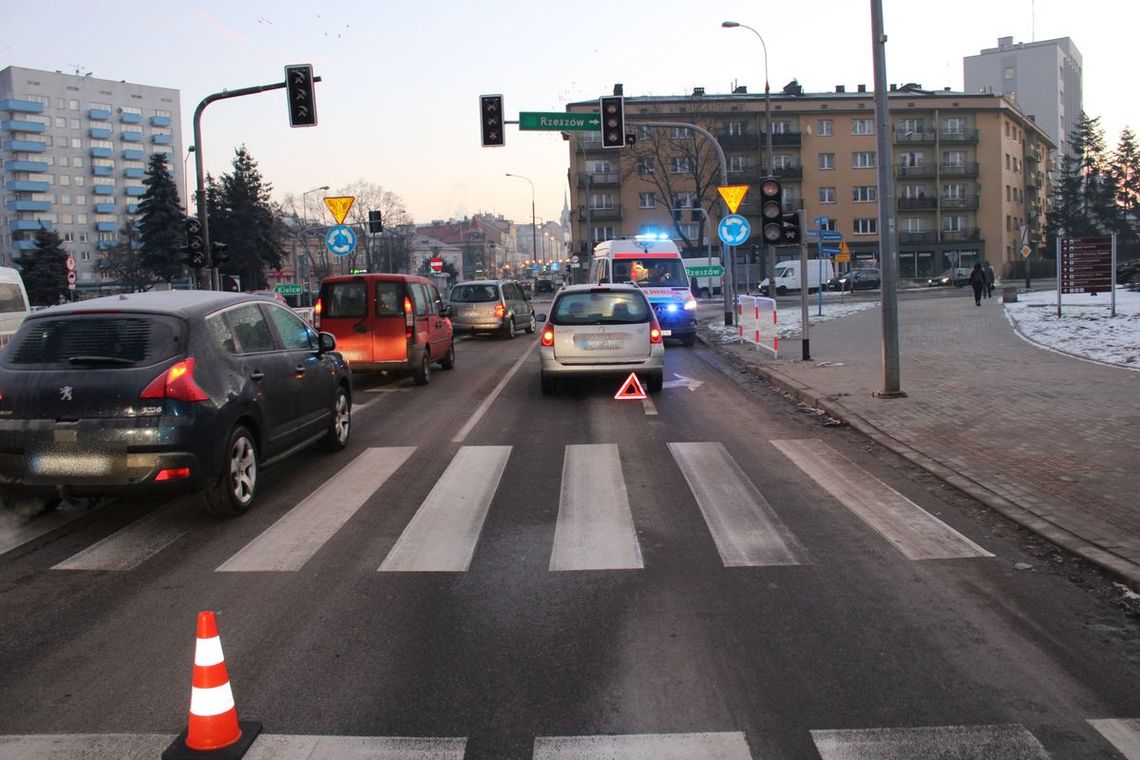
[213, 730]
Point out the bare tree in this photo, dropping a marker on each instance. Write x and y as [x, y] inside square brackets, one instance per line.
[375, 251]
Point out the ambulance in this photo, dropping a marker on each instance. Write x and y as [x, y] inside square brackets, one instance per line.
[653, 263]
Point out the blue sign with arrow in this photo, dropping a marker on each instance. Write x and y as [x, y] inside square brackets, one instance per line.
[340, 240]
[734, 229]
[830, 235]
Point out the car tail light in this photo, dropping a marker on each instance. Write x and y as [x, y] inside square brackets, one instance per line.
[548, 335]
[173, 473]
[409, 318]
[500, 311]
[317, 314]
[655, 332]
[176, 383]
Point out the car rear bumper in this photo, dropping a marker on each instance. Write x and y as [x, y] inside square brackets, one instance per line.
[484, 325]
[654, 364]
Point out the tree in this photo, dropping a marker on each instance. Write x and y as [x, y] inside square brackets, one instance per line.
[370, 249]
[1126, 169]
[162, 223]
[1085, 194]
[126, 262]
[44, 269]
[242, 215]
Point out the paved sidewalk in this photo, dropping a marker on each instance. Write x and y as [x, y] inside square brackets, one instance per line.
[1049, 440]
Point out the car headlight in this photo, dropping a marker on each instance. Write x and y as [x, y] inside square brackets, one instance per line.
[671, 308]
[691, 304]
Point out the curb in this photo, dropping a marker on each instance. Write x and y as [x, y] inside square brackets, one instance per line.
[1116, 566]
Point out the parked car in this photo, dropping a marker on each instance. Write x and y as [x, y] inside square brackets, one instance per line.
[595, 330]
[957, 276]
[857, 279]
[165, 392]
[491, 306]
[387, 323]
[544, 285]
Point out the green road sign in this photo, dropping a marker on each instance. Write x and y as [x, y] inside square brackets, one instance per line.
[289, 288]
[560, 122]
[715, 271]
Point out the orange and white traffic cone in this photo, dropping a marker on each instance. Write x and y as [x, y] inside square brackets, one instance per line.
[213, 730]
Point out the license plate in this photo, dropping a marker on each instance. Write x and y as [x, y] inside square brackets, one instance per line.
[600, 342]
[79, 465]
[666, 333]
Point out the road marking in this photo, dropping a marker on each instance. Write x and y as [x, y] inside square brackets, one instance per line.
[743, 524]
[649, 406]
[707, 746]
[386, 389]
[595, 526]
[1123, 734]
[134, 544]
[361, 407]
[291, 541]
[915, 532]
[478, 414]
[442, 535]
[1008, 742]
[683, 382]
[17, 529]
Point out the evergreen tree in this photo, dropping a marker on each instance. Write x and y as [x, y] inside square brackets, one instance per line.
[162, 222]
[126, 262]
[1079, 206]
[243, 216]
[1126, 169]
[44, 270]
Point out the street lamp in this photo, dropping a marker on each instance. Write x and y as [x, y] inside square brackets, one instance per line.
[533, 229]
[304, 227]
[304, 208]
[186, 176]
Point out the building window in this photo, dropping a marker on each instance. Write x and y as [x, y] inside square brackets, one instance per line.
[737, 163]
[862, 127]
[781, 127]
[864, 194]
[954, 125]
[645, 134]
[161, 112]
[826, 160]
[954, 191]
[64, 180]
[101, 106]
[77, 161]
[954, 158]
[680, 165]
[1008, 194]
[863, 159]
[76, 142]
[82, 235]
[734, 128]
[602, 200]
[81, 218]
[689, 230]
[826, 127]
[680, 133]
[60, 122]
[954, 223]
[601, 167]
[783, 161]
[73, 105]
[599, 234]
[827, 195]
[133, 110]
[81, 181]
[910, 126]
[914, 191]
[866, 226]
[85, 255]
[645, 166]
[912, 159]
[913, 224]
[646, 200]
[1010, 72]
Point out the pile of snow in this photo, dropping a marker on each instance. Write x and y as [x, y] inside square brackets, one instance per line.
[789, 319]
[1085, 327]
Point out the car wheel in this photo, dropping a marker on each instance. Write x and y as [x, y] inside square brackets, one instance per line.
[532, 326]
[781, 291]
[422, 375]
[548, 382]
[340, 424]
[655, 382]
[448, 361]
[509, 328]
[236, 489]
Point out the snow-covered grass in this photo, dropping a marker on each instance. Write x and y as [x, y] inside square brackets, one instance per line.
[1084, 328]
[789, 324]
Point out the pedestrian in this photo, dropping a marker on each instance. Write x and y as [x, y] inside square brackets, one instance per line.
[978, 283]
[989, 280]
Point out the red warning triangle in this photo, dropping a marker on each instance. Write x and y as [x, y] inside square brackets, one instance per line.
[631, 389]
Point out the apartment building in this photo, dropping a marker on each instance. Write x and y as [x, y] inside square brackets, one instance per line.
[970, 172]
[75, 150]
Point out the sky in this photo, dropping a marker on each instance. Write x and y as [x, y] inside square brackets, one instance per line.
[398, 101]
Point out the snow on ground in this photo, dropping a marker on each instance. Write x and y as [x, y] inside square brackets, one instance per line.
[834, 307]
[1084, 328]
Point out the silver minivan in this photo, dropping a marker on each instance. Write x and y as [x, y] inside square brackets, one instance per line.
[499, 307]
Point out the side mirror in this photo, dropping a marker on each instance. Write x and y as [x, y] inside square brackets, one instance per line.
[326, 342]
[539, 317]
[445, 311]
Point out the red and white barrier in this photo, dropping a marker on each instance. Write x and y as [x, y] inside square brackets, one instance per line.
[757, 322]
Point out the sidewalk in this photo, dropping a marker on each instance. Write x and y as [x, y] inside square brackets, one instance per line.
[1050, 441]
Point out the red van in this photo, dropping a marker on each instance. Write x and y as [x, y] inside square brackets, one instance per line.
[387, 322]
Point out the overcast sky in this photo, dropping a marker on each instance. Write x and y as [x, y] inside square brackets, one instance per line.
[398, 104]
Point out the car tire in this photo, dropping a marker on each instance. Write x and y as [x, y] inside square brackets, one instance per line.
[236, 488]
[509, 328]
[655, 382]
[781, 291]
[532, 326]
[341, 423]
[548, 382]
[448, 361]
[422, 375]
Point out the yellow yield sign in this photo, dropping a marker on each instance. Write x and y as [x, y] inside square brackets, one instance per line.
[733, 195]
[339, 206]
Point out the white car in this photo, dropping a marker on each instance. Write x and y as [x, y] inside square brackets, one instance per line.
[597, 330]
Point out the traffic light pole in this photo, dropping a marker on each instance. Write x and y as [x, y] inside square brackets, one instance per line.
[199, 163]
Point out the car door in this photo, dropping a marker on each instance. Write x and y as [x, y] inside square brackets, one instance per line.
[271, 382]
[314, 376]
[439, 326]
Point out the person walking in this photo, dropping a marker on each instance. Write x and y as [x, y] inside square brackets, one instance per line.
[989, 270]
[978, 283]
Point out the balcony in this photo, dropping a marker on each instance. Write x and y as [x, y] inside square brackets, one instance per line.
[916, 238]
[922, 170]
[738, 142]
[130, 118]
[600, 214]
[106, 227]
[29, 225]
[965, 136]
[968, 169]
[131, 154]
[99, 133]
[592, 141]
[912, 138]
[969, 234]
[24, 245]
[598, 179]
[787, 139]
[29, 205]
[969, 202]
[135, 191]
[101, 153]
[24, 146]
[134, 172]
[132, 208]
[28, 186]
[918, 204]
[39, 167]
[105, 245]
[103, 171]
[19, 125]
[160, 121]
[104, 189]
[21, 106]
[131, 136]
[751, 176]
[99, 114]
[104, 208]
[161, 139]
[789, 172]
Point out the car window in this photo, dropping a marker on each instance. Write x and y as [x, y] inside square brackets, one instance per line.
[295, 334]
[420, 299]
[651, 271]
[389, 299]
[11, 297]
[250, 329]
[220, 331]
[611, 307]
[436, 299]
[474, 294]
[343, 300]
[76, 339]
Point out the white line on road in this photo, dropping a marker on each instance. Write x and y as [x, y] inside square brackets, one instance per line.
[291, 541]
[706, 746]
[442, 535]
[915, 532]
[17, 529]
[999, 742]
[650, 407]
[478, 414]
[129, 547]
[743, 524]
[1124, 734]
[595, 527]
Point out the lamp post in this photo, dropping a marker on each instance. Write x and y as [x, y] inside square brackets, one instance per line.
[186, 176]
[533, 229]
[304, 227]
[768, 128]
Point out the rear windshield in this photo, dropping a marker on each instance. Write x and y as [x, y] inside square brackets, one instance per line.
[652, 272]
[342, 300]
[600, 308]
[12, 298]
[96, 340]
[474, 294]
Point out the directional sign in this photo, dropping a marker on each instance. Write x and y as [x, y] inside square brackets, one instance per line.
[830, 235]
[560, 122]
[830, 249]
[288, 288]
[339, 206]
[734, 230]
[1086, 264]
[820, 221]
[341, 240]
[733, 195]
[712, 271]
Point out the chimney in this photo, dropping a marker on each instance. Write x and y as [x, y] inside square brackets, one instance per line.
[740, 90]
[894, 87]
[840, 88]
[618, 89]
[862, 88]
[698, 91]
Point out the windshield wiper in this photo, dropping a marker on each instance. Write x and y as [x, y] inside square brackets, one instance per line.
[117, 361]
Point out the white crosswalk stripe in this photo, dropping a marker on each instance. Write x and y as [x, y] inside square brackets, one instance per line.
[1124, 734]
[1001, 742]
[915, 532]
[136, 543]
[706, 746]
[295, 538]
[595, 527]
[745, 528]
[442, 535]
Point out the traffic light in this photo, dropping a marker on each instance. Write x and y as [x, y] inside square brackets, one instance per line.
[218, 252]
[791, 228]
[302, 100]
[375, 222]
[195, 250]
[771, 210]
[613, 121]
[491, 121]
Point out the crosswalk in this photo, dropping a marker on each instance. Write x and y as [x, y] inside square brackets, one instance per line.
[950, 742]
[595, 527]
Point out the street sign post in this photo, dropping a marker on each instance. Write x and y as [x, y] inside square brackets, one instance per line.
[339, 206]
[340, 240]
[732, 195]
[1086, 265]
[709, 271]
[288, 288]
[734, 230]
[556, 121]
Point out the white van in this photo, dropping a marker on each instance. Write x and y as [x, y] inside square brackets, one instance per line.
[654, 264]
[703, 287]
[13, 303]
[788, 276]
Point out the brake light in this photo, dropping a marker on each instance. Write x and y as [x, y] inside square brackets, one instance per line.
[655, 332]
[176, 383]
[548, 335]
[500, 311]
[409, 318]
[317, 314]
[173, 473]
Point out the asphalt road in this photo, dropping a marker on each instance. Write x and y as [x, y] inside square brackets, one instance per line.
[716, 574]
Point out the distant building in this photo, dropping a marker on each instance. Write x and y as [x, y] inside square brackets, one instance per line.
[1044, 78]
[482, 239]
[75, 150]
